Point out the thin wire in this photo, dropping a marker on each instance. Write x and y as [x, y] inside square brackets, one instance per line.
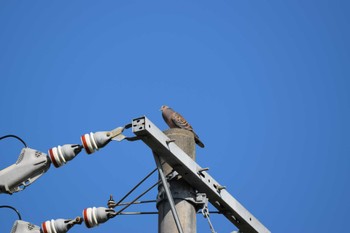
[14, 136]
[137, 202]
[13, 208]
[126, 195]
[211, 225]
[155, 212]
[127, 204]
[214, 212]
[137, 213]
[138, 197]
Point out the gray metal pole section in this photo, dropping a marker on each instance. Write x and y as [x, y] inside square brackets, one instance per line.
[181, 191]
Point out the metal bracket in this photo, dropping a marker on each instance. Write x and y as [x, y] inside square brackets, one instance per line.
[116, 134]
[111, 203]
[77, 220]
[201, 201]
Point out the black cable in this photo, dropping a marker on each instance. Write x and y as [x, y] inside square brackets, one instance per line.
[136, 186]
[138, 197]
[14, 136]
[10, 207]
[214, 212]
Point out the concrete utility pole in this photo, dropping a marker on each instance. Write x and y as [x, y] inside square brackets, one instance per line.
[180, 190]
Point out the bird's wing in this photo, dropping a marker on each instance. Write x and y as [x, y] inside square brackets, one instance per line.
[180, 122]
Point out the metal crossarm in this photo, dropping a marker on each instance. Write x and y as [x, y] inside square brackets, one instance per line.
[196, 176]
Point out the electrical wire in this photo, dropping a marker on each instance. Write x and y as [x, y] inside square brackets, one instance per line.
[13, 208]
[14, 136]
[138, 197]
[137, 213]
[136, 186]
[136, 202]
[155, 212]
[127, 204]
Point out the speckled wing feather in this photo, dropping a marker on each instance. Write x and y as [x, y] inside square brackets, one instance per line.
[180, 122]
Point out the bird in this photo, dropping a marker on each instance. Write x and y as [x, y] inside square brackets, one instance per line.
[175, 120]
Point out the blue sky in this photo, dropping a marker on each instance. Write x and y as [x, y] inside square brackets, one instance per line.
[265, 84]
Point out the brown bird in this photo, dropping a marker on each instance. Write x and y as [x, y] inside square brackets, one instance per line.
[175, 120]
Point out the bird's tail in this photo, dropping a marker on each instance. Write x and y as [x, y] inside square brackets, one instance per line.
[198, 142]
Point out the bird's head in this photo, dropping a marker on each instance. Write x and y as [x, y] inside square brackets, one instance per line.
[163, 108]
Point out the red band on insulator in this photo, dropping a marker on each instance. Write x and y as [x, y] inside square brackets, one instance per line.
[43, 226]
[85, 145]
[52, 157]
[86, 219]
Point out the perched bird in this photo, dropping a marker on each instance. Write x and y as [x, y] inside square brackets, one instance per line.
[175, 120]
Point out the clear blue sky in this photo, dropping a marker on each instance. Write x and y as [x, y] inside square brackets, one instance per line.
[265, 84]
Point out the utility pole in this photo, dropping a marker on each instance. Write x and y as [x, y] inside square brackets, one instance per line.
[196, 176]
[181, 191]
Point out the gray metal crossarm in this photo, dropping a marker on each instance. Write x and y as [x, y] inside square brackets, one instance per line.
[196, 176]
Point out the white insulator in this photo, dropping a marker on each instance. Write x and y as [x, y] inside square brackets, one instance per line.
[89, 215]
[60, 155]
[94, 141]
[95, 216]
[48, 227]
[89, 143]
[59, 225]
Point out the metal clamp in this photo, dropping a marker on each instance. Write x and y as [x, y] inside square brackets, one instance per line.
[116, 134]
[201, 201]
